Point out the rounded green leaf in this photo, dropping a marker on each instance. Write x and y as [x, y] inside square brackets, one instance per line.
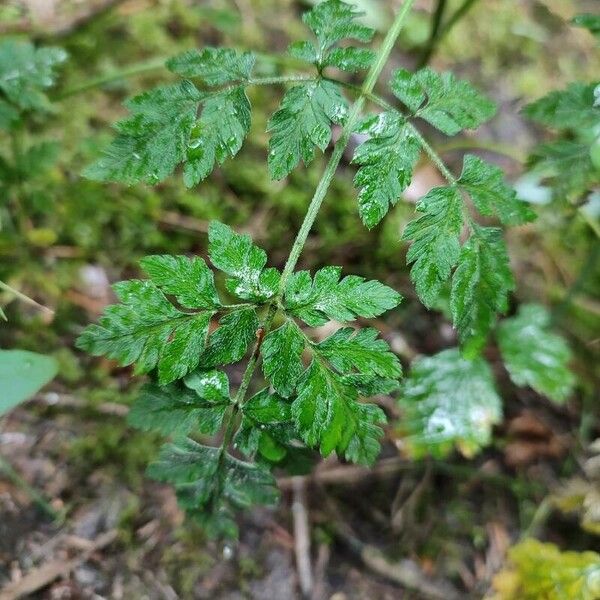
[22, 374]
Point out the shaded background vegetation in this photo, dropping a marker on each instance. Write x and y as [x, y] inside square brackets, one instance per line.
[65, 239]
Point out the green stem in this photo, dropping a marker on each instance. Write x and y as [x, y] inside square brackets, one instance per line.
[24, 298]
[137, 69]
[312, 211]
[340, 146]
[436, 24]
[458, 14]
[280, 79]
[433, 156]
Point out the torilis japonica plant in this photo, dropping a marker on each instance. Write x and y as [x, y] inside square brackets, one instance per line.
[181, 328]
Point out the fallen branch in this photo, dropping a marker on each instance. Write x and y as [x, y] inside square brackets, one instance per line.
[405, 572]
[348, 475]
[302, 536]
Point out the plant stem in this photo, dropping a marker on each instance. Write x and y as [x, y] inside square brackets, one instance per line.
[24, 298]
[340, 146]
[137, 69]
[433, 156]
[439, 31]
[436, 23]
[312, 211]
[280, 79]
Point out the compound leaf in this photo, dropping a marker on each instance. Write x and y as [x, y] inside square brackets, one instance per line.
[214, 66]
[334, 20]
[236, 255]
[210, 485]
[349, 59]
[448, 400]
[490, 193]
[25, 72]
[572, 108]
[386, 160]
[188, 279]
[568, 163]
[445, 102]
[228, 344]
[435, 240]
[153, 140]
[480, 287]
[328, 415]
[349, 350]
[266, 426]
[363, 446]
[148, 330]
[282, 357]
[327, 298]
[218, 133]
[535, 356]
[302, 123]
[174, 410]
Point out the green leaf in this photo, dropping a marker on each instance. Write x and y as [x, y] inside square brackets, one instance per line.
[535, 356]
[229, 343]
[214, 66]
[537, 570]
[148, 330]
[212, 386]
[387, 161]
[218, 133]
[435, 240]
[282, 357]
[364, 446]
[211, 485]
[164, 130]
[334, 20]
[445, 102]
[25, 72]
[266, 427]
[266, 408]
[349, 59]
[302, 123]
[153, 140]
[490, 193]
[327, 298]
[349, 350]
[188, 279]
[304, 50]
[328, 416]
[480, 287]
[236, 255]
[8, 115]
[448, 400]
[590, 21]
[568, 162]
[173, 410]
[22, 374]
[572, 108]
